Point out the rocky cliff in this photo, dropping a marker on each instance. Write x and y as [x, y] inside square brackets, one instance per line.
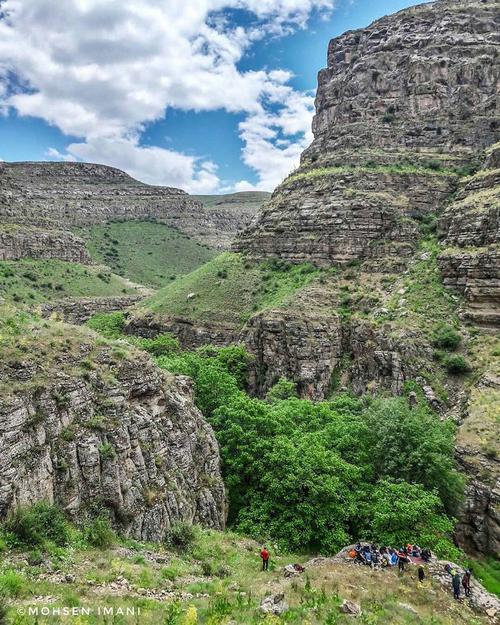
[99, 429]
[470, 231]
[80, 194]
[25, 241]
[401, 108]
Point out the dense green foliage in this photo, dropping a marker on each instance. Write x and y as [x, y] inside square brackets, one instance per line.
[317, 475]
[144, 251]
[112, 325]
[35, 526]
[446, 337]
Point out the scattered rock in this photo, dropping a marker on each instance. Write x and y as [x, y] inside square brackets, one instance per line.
[274, 604]
[351, 608]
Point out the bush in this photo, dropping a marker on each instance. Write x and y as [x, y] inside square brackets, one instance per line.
[11, 583]
[446, 337]
[42, 523]
[98, 533]
[110, 325]
[181, 536]
[161, 345]
[456, 364]
[283, 389]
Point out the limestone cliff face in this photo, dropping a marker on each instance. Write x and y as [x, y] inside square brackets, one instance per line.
[80, 194]
[402, 105]
[478, 454]
[19, 241]
[109, 434]
[470, 230]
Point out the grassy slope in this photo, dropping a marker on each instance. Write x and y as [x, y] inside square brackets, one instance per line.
[145, 252]
[220, 579]
[36, 281]
[229, 289]
[245, 201]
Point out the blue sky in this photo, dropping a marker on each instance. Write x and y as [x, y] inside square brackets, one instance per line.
[208, 95]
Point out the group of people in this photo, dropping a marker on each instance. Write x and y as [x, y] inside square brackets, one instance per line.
[371, 555]
[458, 581]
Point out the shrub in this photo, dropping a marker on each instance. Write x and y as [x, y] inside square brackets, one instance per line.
[446, 337]
[11, 583]
[161, 345]
[38, 525]
[110, 325]
[98, 533]
[181, 536]
[283, 389]
[456, 364]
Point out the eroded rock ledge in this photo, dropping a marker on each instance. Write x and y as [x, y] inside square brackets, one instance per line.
[108, 432]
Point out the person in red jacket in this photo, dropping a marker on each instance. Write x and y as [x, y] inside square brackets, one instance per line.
[264, 554]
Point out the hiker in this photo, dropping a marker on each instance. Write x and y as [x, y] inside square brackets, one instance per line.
[394, 558]
[456, 584]
[401, 560]
[264, 554]
[466, 582]
[421, 574]
[426, 555]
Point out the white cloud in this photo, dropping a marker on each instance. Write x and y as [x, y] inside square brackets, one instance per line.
[101, 71]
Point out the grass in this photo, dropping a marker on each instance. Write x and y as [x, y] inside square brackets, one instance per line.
[421, 295]
[244, 201]
[37, 281]
[145, 252]
[487, 570]
[230, 289]
[216, 581]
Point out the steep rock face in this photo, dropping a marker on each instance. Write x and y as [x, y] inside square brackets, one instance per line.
[478, 453]
[17, 242]
[402, 105]
[121, 437]
[80, 194]
[470, 231]
[298, 347]
[81, 309]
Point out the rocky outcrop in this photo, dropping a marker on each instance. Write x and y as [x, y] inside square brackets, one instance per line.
[81, 309]
[191, 334]
[80, 194]
[401, 107]
[105, 431]
[470, 232]
[303, 348]
[18, 242]
[478, 454]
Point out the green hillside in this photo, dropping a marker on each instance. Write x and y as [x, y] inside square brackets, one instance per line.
[145, 252]
[31, 281]
[245, 201]
[230, 288]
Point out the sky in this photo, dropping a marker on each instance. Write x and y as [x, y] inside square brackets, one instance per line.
[212, 96]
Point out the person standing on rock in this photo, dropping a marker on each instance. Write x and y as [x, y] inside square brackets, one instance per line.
[466, 582]
[264, 554]
[421, 574]
[455, 580]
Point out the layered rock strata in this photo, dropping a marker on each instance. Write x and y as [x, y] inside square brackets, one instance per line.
[18, 242]
[402, 106]
[470, 232]
[106, 432]
[81, 194]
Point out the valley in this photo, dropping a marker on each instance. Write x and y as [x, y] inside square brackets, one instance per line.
[187, 378]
